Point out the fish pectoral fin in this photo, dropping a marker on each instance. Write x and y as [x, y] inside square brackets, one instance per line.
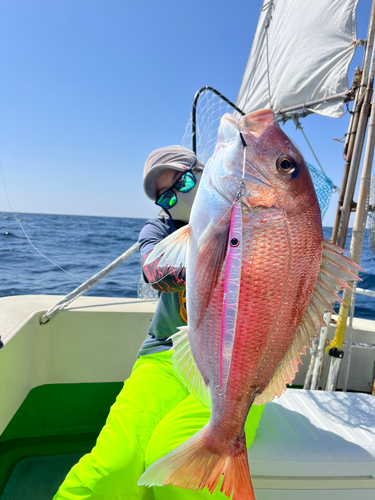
[322, 299]
[185, 367]
[213, 248]
[173, 247]
[205, 236]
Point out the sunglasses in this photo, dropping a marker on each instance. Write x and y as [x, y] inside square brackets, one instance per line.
[184, 184]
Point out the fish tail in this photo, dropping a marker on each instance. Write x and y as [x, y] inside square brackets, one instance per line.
[237, 478]
[195, 465]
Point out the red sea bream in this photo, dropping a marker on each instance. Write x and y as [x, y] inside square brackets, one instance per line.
[259, 279]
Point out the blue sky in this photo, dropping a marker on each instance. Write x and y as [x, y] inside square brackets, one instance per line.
[89, 88]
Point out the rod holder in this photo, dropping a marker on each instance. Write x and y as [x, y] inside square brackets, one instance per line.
[334, 369]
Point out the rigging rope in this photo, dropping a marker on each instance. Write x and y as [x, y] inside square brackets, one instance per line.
[298, 125]
[268, 6]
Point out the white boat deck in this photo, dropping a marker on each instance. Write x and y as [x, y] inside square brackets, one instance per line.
[16, 311]
[95, 340]
[315, 444]
[311, 445]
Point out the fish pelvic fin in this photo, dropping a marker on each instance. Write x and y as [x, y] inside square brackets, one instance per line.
[173, 247]
[186, 369]
[335, 271]
[195, 465]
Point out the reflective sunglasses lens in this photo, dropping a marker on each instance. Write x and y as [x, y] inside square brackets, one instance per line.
[167, 200]
[186, 182]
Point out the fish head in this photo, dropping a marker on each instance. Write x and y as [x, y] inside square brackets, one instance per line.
[275, 173]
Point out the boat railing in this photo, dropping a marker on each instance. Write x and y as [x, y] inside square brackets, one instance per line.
[368, 293]
[363, 291]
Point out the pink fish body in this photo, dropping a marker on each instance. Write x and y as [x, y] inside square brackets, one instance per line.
[259, 279]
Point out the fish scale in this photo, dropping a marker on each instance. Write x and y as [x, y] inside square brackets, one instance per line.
[257, 319]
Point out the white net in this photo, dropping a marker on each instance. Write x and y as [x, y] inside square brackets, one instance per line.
[210, 109]
[145, 291]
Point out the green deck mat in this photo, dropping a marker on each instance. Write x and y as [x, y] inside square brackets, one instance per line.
[55, 420]
[38, 478]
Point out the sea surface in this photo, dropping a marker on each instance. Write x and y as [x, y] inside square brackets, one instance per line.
[82, 246]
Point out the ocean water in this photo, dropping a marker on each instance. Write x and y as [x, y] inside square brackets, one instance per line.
[85, 245]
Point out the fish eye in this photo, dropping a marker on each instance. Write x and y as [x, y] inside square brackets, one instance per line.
[285, 164]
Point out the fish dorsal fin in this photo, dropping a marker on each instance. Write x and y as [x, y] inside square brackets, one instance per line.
[173, 247]
[185, 367]
[321, 301]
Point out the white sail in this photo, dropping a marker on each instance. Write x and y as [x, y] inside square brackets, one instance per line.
[310, 45]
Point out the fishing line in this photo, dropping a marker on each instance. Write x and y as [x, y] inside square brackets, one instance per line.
[24, 232]
[27, 237]
[242, 187]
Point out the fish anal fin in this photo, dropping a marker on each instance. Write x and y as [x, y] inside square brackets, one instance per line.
[322, 301]
[284, 374]
[185, 367]
[172, 248]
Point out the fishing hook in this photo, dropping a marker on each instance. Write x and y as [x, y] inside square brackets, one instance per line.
[242, 187]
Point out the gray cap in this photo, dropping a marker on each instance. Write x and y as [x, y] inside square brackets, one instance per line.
[175, 157]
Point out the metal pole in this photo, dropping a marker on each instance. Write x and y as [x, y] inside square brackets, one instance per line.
[352, 155]
[333, 374]
[348, 151]
[87, 285]
[313, 349]
[353, 135]
[354, 167]
[356, 243]
[320, 352]
[349, 343]
[363, 291]
[361, 213]
[304, 106]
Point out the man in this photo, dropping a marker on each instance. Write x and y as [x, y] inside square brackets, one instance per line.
[154, 409]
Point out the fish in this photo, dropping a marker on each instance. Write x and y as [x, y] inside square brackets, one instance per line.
[259, 278]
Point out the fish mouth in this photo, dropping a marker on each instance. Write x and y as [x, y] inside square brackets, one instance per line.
[254, 123]
[257, 122]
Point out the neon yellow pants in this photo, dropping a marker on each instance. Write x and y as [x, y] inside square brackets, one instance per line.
[152, 415]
